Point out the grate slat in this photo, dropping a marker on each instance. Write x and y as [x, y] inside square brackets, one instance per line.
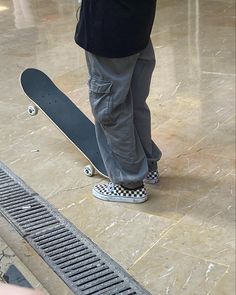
[65, 250]
[79, 265]
[33, 217]
[5, 190]
[89, 273]
[57, 240]
[73, 256]
[117, 289]
[69, 253]
[94, 281]
[103, 286]
[15, 196]
[83, 266]
[39, 223]
[18, 211]
[70, 263]
[11, 205]
[46, 234]
[41, 226]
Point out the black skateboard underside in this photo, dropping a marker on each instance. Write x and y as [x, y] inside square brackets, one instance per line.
[64, 114]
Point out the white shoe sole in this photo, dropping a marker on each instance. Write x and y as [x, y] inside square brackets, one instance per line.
[111, 198]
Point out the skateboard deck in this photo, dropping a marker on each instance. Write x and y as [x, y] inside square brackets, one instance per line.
[45, 95]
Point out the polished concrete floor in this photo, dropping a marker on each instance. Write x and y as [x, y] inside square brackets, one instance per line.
[182, 241]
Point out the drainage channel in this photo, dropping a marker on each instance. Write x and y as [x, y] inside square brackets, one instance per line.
[82, 265]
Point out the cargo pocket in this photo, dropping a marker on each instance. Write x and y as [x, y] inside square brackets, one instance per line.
[100, 95]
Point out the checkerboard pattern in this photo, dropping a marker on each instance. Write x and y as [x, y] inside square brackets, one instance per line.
[152, 177]
[116, 192]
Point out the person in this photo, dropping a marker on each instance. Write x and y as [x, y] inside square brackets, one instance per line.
[115, 35]
[7, 289]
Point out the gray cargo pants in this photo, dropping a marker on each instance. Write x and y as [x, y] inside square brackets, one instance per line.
[118, 91]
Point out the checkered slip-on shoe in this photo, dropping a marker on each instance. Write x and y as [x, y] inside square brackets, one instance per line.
[152, 177]
[117, 193]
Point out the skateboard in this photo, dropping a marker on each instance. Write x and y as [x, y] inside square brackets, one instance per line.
[45, 96]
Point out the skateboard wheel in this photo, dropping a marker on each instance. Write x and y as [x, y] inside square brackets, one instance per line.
[32, 110]
[89, 170]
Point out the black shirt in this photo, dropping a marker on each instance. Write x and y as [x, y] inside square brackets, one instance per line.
[115, 28]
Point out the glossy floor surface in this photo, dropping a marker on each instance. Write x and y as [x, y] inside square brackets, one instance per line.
[182, 240]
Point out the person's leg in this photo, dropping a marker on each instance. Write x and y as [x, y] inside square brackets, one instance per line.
[140, 86]
[112, 105]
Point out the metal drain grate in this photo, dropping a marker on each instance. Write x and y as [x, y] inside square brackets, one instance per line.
[84, 267]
